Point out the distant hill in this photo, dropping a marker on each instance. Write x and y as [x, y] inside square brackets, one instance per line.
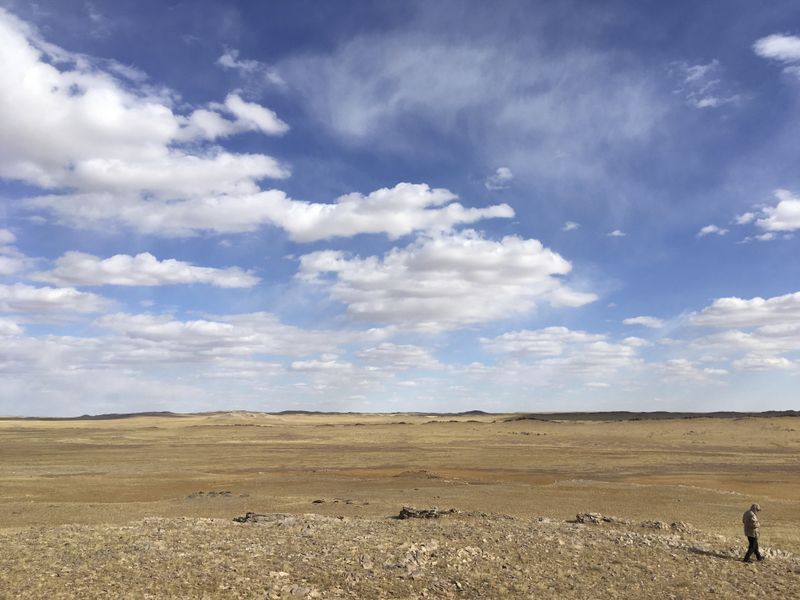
[510, 417]
[648, 416]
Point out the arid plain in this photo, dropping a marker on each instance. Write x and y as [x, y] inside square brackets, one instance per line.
[59, 475]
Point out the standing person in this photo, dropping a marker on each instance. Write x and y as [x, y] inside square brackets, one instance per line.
[751, 525]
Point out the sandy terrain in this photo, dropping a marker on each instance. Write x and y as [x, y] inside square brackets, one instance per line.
[81, 500]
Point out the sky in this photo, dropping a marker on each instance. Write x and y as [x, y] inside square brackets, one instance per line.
[399, 206]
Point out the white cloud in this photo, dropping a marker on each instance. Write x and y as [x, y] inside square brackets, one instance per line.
[784, 216]
[162, 338]
[254, 116]
[682, 369]
[209, 124]
[327, 363]
[550, 341]
[13, 261]
[500, 180]
[230, 60]
[249, 68]
[636, 342]
[761, 329]
[651, 322]
[595, 359]
[709, 229]
[78, 268]
[558, 358]
[745, 218]
[69, 122]
[714, 371]
[9, 328]
[785, 48]
[21, 298]
[7, 237]
[763, 363]
[396, 211]
[445, 281]
[617, 233]
[399, 357]
[570, 226]
[756, 312]
[597, 384]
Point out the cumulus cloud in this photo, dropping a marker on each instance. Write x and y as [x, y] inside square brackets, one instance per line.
[9, 327]
[12, 261]
[711, 229]
[254, 116]
[396, 211]
[500, 180]
[682, 369]
[78, 268]
[399, 357]
[652, 322]
[755, 312]
[781, 47]
[445, 281]
[745, 218]
[595, 359]
[784, 216]
[163, 337]
[763, 363]
[210, 124]
[762, 330]
[550, 341]
[69, 122]
[325, 364]
[617, 233]
[21, 298]
[558, 358]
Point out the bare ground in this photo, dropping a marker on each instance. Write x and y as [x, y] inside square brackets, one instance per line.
[142, 507]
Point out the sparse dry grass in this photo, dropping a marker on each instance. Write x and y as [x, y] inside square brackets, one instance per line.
[104, 473]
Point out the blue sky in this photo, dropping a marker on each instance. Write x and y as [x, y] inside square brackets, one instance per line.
[372, 206]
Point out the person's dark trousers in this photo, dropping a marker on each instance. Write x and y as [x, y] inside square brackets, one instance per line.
[752, 548]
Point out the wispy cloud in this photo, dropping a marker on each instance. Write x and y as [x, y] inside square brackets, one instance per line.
[702, 85]
[250, 68]
[651, 322]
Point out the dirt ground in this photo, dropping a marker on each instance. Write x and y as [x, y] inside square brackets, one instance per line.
[111, 472]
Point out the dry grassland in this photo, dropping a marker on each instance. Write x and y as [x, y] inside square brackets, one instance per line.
[73, 482]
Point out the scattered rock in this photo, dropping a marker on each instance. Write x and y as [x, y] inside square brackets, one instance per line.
[251, 517]
[201, 494]
[597, 518]
[409, 512]
[653, 525]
